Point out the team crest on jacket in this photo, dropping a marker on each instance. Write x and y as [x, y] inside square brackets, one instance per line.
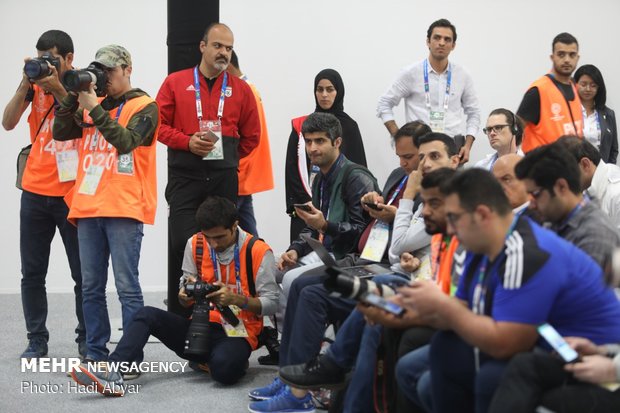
[228, 92]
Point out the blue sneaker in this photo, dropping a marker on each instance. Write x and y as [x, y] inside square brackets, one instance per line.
[284, 402]
[97, 375]
[267, 392]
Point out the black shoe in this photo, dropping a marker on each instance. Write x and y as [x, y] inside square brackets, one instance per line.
[269, 338]
[82, 348]
[320, 372]
[37, 347]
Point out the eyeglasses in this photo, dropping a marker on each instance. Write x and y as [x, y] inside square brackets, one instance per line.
[591, 86]
[496, 129]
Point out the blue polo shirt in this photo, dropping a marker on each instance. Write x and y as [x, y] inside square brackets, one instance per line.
[539, 277]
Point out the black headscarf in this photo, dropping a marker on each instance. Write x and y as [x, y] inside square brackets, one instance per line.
[352, 145]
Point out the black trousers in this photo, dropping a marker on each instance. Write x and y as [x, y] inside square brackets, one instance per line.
[533, 379]
[184, 196]
[227, 356]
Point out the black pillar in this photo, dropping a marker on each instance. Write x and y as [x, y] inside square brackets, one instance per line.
[187, 21]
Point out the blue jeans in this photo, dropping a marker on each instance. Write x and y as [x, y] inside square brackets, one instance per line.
[39, 217]
[245, 208]
[413, 377]
[100, 238]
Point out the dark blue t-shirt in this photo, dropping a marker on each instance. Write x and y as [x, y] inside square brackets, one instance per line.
[538, 278]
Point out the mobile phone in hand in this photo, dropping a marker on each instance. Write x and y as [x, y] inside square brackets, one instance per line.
[303, 207]
[372, 205]
[210, 136]
[560, 345]
[380, 302]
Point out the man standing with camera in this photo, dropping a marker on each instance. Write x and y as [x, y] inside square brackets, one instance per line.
[116, 190]
[48, 175]
[237, 288]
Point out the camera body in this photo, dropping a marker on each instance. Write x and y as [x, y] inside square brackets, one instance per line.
[80, 80]
[197, 338]
[349, 286]
[38, 68]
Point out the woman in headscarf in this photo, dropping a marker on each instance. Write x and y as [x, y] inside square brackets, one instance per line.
[329, 98]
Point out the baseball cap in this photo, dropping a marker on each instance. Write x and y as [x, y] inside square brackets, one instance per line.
[113, 55]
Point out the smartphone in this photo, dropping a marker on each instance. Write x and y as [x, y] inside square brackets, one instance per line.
[303, 207]
[210, 136]
[560, 345]
[382, 303]
[372, 205]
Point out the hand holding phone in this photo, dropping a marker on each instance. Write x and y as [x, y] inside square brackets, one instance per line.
[373, 205]
[560, 345]
[382, 303]
[303, 207]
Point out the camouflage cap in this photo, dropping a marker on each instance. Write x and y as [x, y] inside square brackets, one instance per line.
[113, 55]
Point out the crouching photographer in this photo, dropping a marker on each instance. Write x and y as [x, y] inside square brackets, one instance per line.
[228, 279]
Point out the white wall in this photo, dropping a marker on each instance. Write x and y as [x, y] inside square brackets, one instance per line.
[282, 45]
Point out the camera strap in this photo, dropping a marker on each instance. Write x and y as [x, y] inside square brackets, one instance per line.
[199, 253]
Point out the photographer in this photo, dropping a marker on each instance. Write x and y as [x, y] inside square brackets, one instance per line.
[115, 192]
[47, 177]
[218, 342]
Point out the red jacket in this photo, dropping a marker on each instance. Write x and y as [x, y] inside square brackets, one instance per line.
[179, 120]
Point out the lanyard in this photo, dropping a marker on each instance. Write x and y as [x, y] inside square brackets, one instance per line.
[397, 191]
[220, 107]
[572, 213]
[216, 268]
[427, 93]
[93, 143]
[482, 284]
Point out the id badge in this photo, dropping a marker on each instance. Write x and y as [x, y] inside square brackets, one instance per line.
[377, 242]
[124, 164]
[214, 134]
[437, 121]
[239, 330]
[424, 271]
[67, 160]
[91, 180]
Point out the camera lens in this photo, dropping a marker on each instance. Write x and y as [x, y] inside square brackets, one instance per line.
[78, 80]
[36, 69]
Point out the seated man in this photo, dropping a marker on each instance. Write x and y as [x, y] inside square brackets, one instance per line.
[599, 179]
[551, 177]
[250, 291]
[589, 385]
[517, 275]
[335, 215]
[504, 171]
[505, 132]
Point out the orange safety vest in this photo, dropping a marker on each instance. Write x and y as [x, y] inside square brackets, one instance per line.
[557, 118]
[253, 322]
[118, 194]
[255, 170]
[41, 173]
[442, 259]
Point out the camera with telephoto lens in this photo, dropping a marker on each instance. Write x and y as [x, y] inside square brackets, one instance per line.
[355, 288]
[197, 338]
[80, 80]
[38, 67]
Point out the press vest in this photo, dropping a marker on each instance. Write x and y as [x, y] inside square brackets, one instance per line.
[253, 322]
[120, 193]
[41, 173]
[255, 170]
[442, 260]
[555, 116]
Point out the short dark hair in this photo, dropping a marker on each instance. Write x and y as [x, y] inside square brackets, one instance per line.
[442, 137]
[516, 126]
[205, 36]
[55, 38]
[412, 130]
[597, 77]
[215, 212]
[564, 38]
[580, 148]
[436, 178]
[441, 23]
[234, 60]
[322, 122]
[546, 164]
[477, 186]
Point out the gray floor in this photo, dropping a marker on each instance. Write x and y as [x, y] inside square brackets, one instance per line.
[157, 392]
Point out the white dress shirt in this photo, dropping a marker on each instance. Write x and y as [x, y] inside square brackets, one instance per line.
[409, 85]
[605, 190]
